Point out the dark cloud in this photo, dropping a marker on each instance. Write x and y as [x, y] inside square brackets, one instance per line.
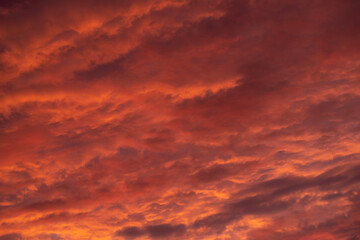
[273, 201]
[52, 236]
[261, 204]
[218, 172]
[11, 236]
[43, 205]
[130, 232]
[165, 230]
[153, 231]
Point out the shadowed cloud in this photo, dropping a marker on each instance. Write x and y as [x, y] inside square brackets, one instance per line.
[153, 231]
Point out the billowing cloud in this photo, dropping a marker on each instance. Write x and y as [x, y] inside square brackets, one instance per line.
[220, 119]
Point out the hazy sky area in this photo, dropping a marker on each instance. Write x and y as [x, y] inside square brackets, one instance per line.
[180, 119]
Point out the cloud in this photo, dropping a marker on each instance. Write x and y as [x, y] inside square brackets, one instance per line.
[220, 119]
[153, 231]
[165, 230]
[11, 236]
[130, 232]
[52, 236]
[218, 172]
[278, 195]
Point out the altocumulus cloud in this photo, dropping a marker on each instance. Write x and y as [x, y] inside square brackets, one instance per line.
[186, 119]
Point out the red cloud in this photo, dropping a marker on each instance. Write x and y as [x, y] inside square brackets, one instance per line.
[179, 119]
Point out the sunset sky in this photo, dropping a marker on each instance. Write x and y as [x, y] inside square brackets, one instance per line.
[180, 119]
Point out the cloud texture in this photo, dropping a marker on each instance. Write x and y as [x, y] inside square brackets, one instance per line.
[180, 119]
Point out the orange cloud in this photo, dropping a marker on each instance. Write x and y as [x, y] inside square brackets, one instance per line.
[179, 120]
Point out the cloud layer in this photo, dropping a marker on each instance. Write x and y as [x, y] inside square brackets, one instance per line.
[220, 119]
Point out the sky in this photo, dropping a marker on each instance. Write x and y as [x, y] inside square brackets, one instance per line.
[179, 119]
